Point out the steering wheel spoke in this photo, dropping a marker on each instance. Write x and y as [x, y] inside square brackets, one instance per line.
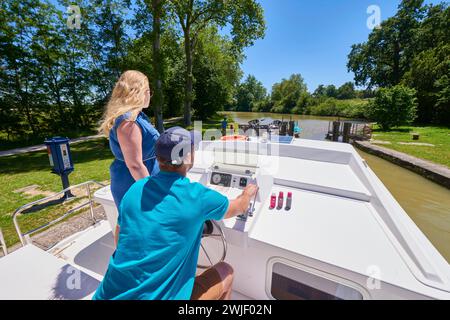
[221, 235]
[207, 255]
[212, 235]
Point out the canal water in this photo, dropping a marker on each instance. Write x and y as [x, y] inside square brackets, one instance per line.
[427, 203]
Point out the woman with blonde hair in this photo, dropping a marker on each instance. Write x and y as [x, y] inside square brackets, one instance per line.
[131, 136]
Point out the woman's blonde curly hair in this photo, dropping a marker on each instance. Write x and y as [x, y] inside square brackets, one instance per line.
[128, 95]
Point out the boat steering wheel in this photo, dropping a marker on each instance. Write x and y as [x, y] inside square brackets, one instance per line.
[208, 232]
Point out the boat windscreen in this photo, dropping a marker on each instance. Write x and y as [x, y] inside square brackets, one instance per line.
[281, 139]
[234, 156]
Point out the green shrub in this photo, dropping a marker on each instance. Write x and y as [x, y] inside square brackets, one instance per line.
[393, 107]
[352, 108]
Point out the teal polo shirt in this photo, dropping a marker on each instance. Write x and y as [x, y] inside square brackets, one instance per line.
[161, 222]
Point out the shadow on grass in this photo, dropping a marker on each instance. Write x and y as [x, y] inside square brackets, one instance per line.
[39, 207]
[34, 161]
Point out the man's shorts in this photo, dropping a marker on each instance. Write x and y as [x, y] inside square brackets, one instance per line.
[208, 286]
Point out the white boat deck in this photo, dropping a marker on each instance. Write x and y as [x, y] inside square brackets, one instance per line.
[339, 231]
[33, 274]
[343, 225]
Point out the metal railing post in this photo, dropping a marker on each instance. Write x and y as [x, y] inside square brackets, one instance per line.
[91, 209]
[3, 243]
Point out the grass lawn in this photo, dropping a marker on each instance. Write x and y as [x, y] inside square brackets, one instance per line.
[437, 136]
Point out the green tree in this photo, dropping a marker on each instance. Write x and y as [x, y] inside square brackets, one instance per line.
[429, 76]
[244, 17]
[158, 97]
[331, 91]
[430, 67]
[216, 71]
[264, 105]
[248, 93]
[286, 93]
[19, 68]
[346, 91]
[320, 91]
[387, 55]
[411, 48]
[393, 107]
[303, 102]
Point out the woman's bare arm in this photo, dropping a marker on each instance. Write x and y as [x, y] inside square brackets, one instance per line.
[130, 140]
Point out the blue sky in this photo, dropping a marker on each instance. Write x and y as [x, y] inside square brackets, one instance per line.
[311, 37]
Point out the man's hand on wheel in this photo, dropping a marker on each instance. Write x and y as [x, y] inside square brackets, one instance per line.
[250, 190]
[241, 203]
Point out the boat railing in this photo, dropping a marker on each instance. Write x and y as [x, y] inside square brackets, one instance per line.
[3, 243]
[25, 237]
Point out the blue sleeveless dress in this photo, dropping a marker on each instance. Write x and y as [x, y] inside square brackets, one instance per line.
[121, 178]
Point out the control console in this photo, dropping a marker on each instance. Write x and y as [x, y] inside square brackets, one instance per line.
[228, 180]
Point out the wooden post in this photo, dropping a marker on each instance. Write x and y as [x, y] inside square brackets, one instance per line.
[346, 134]
[336, 125]
[291, 128]
[283, 129]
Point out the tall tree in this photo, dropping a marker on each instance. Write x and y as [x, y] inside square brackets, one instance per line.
[346, 91]
[248, 93]
[158, 97]
[331, 91]
[320, 91]
[216, 71]
[430, 67]
[287, 93]
[19, 68]
[410, 48]
[244, 16]
[387, 55]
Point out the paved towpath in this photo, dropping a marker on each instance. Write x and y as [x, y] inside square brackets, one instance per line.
[43, 147]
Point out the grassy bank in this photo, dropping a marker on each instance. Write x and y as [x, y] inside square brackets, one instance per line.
[435, 140]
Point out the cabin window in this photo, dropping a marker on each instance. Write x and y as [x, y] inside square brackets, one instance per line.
[290, 283]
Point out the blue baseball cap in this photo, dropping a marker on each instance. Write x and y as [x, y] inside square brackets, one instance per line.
[174, 143]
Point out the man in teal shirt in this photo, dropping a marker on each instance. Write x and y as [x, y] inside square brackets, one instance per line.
[161, 222]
